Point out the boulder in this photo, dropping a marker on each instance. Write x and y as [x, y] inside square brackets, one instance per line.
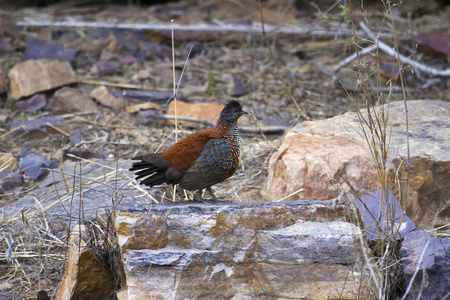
[240, 250]
[314, 155]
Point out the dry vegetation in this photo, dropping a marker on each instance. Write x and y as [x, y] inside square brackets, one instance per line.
[280, 69]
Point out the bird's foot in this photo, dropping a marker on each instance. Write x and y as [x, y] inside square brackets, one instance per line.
[199, 197]
[213, 197]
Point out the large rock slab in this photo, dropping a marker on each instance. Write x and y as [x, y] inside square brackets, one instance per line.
[240, 250]
[314, 155]
[68, 192]
[32, 76]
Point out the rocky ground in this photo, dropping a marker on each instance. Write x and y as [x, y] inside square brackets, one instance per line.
[102, 92]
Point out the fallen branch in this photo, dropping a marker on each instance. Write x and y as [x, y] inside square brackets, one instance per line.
[255, 27]
[244, 129]
[412, 63]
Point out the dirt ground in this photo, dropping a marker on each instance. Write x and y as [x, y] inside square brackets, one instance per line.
[299, 60]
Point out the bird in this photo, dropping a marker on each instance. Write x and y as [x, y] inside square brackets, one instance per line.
[198, 161]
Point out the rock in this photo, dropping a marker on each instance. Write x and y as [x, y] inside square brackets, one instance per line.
[313, 163]
[240, 250]
[236, 88]
[38, 124]
[42, 295]
[9, 180]
[371, 215]
[202, 111]
[55, 196]
[103, 68]
[313, 153]
[32, 76]
[37, 49]
[191, 90]
[109, 56]
[431, 256]
[5, 45]
[68, 100]
[32, 105]
[75, 137]
[84, 277]
[128, 60]
[35, 166]
[153, 50]
[102, 95]
[8, 26]
[142, 106]
[196, 48]
[147, 116]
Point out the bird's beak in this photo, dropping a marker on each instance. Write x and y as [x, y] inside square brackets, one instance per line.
[244, 112]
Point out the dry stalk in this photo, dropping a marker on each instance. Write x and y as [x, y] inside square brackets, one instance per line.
[373, 120]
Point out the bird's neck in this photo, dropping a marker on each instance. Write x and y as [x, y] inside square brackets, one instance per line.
[229, 130]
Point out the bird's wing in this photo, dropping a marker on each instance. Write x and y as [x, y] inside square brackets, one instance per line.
[214, 165]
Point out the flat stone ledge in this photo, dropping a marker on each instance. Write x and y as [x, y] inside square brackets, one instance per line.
[241, 250]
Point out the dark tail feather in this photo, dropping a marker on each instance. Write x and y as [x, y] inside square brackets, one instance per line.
[155, 179]
[155, 175]
[140, 165]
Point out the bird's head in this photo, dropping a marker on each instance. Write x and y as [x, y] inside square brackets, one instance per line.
[232, 112]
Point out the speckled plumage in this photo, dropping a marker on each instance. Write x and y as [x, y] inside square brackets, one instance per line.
[198, 161]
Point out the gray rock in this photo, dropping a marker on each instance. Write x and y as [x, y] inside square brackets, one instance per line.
[430, 257]
[37, 49]
[376, 222]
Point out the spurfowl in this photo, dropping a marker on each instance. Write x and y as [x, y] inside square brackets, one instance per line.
[198, 161]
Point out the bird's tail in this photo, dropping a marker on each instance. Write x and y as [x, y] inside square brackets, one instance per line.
[154, 175]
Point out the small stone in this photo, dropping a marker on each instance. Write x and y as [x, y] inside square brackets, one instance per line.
[38, 124]
[9, 180]
[142, 106]
[35, 166]
[68, 100]
[31, 76]
[32, 105]
[236, 88]
[103, 96]
[75, 137]
[103, 68]
[197, 49]
[128, 60]
[37, 49]
[5, 45]
[202, 111]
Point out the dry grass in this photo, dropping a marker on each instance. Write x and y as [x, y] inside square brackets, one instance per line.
[33, 247]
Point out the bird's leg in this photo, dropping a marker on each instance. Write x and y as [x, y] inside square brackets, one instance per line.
[212, 194]
[199, 196]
